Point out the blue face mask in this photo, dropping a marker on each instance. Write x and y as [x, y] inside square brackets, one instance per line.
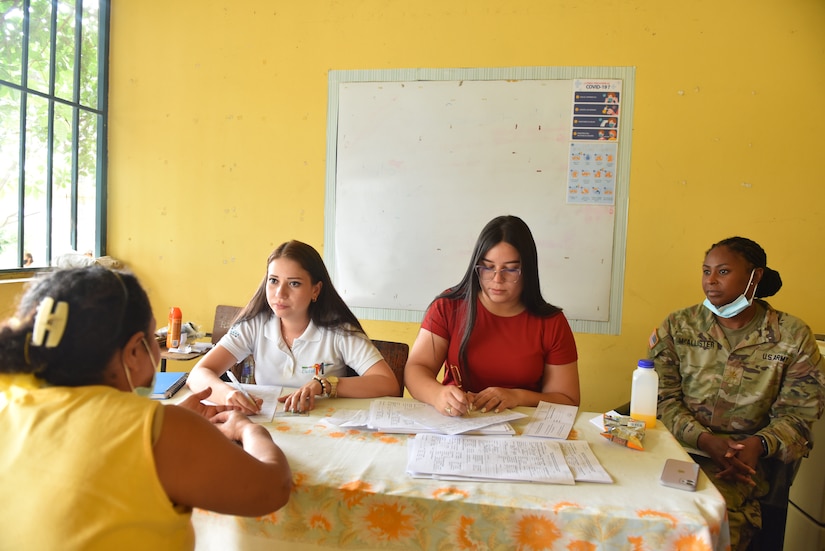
[736, 307]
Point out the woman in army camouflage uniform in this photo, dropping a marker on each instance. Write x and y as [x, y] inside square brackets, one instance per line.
[739, 381]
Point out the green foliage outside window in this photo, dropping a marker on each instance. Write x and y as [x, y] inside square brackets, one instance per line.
[52, 129]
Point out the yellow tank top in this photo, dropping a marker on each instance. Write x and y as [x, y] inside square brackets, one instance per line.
[77, 471]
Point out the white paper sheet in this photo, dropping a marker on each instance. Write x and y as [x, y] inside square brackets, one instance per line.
[551, 420]
[486, 458]
[414, 417]
[270, 394]
[583, 462]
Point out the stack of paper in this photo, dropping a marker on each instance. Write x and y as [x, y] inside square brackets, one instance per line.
[411, 417]
[503, 459]
[483, 458]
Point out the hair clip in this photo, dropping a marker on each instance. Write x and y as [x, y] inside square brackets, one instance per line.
[53, 322]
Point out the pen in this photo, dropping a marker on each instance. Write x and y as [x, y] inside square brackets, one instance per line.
[456, 372]
[237, 384]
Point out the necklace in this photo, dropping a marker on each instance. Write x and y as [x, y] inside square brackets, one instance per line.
[290, 340]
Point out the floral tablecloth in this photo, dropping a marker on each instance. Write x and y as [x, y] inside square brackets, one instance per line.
[352, 492]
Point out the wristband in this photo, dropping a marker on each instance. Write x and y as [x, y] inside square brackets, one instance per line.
[764, 445]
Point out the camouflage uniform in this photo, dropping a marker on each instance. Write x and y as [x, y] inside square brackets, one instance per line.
[772, 384]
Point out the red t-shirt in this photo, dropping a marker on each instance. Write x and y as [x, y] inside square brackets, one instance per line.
[508, 352]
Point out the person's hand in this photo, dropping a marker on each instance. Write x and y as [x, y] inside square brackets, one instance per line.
[452, 401]
[193, 402]
[495, 399]
[743, 456]
[235, 399]
[302, 399]
[231, 424]
[736, 459]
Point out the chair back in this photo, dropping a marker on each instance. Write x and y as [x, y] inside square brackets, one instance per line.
[224, 316]
[395, 353]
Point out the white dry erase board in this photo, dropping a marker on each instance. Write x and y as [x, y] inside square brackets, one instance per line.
[419, 160]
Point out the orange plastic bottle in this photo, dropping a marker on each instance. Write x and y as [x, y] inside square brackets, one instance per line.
[173, 331]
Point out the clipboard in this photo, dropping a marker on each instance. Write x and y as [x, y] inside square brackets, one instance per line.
[167, 383]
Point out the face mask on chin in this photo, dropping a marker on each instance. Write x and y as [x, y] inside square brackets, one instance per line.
[736, 307]
[144, 391]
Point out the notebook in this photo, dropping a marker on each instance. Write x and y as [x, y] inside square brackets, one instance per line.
[167, 383]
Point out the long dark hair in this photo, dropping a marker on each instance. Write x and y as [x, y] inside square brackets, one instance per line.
[329, 310]
[105, 308]
[755, 255]
[514, 231]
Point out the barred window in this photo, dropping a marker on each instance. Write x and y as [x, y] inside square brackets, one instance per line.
[53, 103]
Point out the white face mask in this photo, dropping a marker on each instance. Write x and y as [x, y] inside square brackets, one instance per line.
[144, 391]
[736, 307]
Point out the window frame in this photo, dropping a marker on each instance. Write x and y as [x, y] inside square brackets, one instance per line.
[99, 112]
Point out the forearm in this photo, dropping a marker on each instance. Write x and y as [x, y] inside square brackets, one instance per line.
[274, 477]
[203, 377]
[422, 383]
[680, 421]
[257, 442]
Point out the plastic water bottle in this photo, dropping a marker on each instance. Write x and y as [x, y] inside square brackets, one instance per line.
[173, 330]
[644, 393]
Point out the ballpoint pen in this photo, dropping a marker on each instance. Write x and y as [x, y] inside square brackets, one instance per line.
[456, 373]
[237, 384]
[459, 382]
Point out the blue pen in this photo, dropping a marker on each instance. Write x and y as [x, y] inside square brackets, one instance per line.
[237, 384]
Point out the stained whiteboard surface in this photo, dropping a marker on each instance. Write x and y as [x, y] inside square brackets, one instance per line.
[422, 166]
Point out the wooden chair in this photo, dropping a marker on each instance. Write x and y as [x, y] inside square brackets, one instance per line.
[396, 354]
[224, 316]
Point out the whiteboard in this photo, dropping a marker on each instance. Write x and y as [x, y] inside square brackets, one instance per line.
[420, 165]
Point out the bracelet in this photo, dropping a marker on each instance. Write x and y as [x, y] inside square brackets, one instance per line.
[321, 382]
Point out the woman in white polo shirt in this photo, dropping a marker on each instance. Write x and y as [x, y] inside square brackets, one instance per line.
[301, 335]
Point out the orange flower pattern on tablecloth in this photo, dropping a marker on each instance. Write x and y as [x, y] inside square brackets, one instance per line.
[637, 543]
[691, 543]
[354, 492]
[299, 480]
[581, 546]
[465, 541]
[388, 522]
[649, 513]
[535, 533]
[563, 505]
[320, 522]
[450, 490]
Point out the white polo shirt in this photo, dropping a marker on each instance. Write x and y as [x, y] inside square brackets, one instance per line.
[276, 364]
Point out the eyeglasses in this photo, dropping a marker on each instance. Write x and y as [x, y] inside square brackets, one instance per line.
[508, 275]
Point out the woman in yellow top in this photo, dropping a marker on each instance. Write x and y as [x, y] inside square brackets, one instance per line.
[88, 461]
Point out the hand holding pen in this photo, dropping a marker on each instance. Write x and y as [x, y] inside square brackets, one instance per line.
[462, 406]
[250, 400]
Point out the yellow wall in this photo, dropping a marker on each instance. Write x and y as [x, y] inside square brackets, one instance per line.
[218, 136]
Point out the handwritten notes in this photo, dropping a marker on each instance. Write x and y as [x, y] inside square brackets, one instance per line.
[485, 458]
[414, 417]
[551, 420]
